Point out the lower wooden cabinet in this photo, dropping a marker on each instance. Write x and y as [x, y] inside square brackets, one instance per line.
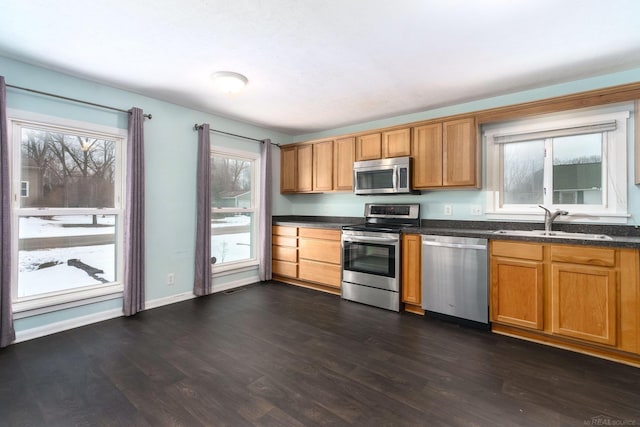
[307, 257]
[582, 298]
[517, 284]
[412, 273]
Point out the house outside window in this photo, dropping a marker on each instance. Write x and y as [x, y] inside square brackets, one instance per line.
[68, 223]
[234, 210]
[576, 161]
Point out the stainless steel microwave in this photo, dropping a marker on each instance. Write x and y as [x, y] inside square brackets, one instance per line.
[385, 176]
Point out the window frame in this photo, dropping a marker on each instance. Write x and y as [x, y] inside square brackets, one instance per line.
[219, 151]
[614, 165]
[51, 301]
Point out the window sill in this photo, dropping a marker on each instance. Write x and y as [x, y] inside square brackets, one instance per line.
[233, 268]
[36, 306]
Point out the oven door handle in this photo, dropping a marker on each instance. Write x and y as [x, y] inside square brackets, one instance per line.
[370, 239]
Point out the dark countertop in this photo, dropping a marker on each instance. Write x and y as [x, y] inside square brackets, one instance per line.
[623, 236]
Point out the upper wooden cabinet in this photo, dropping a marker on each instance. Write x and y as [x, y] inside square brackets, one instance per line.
[396, 143]
[445, 154]
[288, 169]
[344, 154]
[459, 153]
[304, 175]
[322, 166]
[306, 168]
[369, 147]
[426, 148]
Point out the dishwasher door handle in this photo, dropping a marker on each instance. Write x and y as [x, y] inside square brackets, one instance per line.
[453, 245]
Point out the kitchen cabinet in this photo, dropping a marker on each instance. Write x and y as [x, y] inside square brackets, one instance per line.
[582, 298]
[322, 166]
[288, 169]
[584, 294]
[319, 256]
[344, 155]
[296, 167]
[307, 167]
[396, 143]
[369, 147]
[308, 257]
[445, 154]
[411, 273]
[284, 251]
[517, 284]
[304, 175]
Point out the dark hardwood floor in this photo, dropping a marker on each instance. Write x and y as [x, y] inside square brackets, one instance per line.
[280, 355]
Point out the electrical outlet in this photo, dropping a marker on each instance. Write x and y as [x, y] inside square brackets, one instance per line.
[476, 210]
[448, 210]
[171, 279]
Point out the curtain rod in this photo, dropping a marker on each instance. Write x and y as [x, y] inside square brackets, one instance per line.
[148, 116]
[197, 126]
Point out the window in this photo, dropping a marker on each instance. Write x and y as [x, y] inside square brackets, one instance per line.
[68, 215]
[234, 209]
[574, 161]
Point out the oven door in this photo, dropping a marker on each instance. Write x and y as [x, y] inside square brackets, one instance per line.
[371, 259]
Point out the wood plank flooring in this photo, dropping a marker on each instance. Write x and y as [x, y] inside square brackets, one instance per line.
[278, 355]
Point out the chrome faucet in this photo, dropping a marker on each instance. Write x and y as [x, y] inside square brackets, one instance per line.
[550, 216]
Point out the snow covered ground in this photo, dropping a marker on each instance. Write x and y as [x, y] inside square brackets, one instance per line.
[34, 280]
[59, 276]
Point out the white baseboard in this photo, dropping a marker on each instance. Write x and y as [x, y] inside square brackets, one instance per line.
[171, 299]
[64, 325]
[77, 322]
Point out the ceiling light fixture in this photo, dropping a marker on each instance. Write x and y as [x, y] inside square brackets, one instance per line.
[228, 81]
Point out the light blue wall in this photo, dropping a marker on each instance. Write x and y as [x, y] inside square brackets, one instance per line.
[432, 202]
[170, 170]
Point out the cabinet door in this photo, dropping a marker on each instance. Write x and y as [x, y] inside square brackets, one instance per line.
[426, 149]
[411, 272]
[323, 166]
[344, 150]
[288, 169]
[583, 302]
[459, 153]
[304, 160]
[396, 143]
[369, 147]
[517, 292]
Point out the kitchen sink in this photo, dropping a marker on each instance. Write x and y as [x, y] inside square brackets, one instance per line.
[554, 234]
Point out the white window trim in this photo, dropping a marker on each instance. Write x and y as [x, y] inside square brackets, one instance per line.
[239, 266]
[44, 303]
[614, 157]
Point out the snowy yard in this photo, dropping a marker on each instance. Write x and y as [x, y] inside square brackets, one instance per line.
[46, 270]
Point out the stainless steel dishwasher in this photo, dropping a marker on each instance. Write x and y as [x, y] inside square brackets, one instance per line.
[454, 277]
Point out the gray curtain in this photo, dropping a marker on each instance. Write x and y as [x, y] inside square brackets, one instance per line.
[264, 222]
[134, 266]
[7, 332]
[202, 280]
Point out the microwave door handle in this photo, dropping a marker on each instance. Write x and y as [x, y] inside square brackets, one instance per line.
[396, 172]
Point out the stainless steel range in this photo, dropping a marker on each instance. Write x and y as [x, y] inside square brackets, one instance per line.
[371, 263]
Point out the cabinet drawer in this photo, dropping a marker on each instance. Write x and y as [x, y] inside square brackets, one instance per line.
[530, 251]
[319, 250]
[284, 241]
[284, 253]
[584, 255]
[284, 268]
[320, 272]
[320, 233]
[282, 230]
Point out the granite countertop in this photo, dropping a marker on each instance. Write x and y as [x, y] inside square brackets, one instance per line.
[622, 236]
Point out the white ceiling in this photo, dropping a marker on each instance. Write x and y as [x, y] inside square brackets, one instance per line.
[319, 64]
